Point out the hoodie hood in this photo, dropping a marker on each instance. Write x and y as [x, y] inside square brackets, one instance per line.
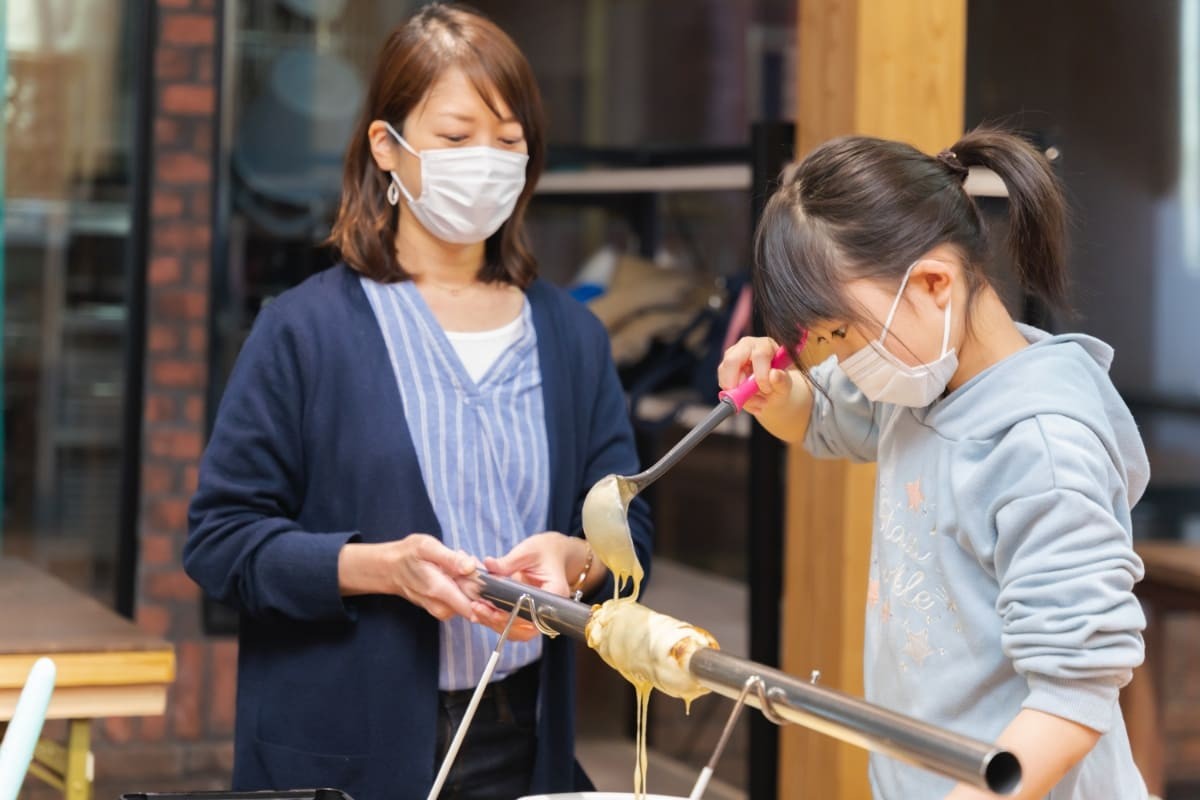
[1064, 374]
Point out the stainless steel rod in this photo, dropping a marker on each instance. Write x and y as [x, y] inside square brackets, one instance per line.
[863, 724]
[562, 614]
[789, 699]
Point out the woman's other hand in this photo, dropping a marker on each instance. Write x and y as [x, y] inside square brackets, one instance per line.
[548, 561]
[418, 568]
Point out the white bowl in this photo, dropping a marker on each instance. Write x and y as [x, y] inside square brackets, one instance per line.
[597, 796]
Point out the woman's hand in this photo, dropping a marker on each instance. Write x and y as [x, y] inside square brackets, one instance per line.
[547, 561]
[784, 400]
[418, 568]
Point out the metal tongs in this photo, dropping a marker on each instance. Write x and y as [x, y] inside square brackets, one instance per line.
[524, 601]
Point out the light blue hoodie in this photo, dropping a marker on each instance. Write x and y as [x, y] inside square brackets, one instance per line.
[1002, 564]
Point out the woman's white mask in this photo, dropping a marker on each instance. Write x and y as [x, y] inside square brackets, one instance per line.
[467, 193]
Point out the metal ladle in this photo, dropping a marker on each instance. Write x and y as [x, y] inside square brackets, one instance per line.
[606, 507]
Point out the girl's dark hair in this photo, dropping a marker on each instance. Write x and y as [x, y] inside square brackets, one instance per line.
[437, 38]
[859, 207]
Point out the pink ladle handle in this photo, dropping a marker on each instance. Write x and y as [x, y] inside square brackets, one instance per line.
[749, 387]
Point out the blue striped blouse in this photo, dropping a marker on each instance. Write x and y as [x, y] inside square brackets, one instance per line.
[483, 453]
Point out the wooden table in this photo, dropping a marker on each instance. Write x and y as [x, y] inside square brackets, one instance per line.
[107, 667]
[1172, 584]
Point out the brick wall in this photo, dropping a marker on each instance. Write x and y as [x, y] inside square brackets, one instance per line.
[191, 745]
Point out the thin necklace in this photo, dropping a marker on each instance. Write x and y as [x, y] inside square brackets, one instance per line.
[453, 291]
[448, 288]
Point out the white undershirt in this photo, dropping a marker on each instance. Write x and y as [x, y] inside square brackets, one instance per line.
[478, 350]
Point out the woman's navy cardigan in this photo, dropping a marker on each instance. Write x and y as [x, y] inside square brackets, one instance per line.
[311, 450]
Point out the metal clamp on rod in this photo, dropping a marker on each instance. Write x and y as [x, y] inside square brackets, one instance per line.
[550, 613]
[784, 698]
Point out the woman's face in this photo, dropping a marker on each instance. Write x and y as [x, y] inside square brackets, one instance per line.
[453, 114]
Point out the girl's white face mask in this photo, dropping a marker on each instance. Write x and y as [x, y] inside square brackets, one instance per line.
[884, 378]
[467, 193]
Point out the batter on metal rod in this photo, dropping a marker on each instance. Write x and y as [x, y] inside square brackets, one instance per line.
[649, 649]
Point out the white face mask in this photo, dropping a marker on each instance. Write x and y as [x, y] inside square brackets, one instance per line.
[467, 193]
[884, 378]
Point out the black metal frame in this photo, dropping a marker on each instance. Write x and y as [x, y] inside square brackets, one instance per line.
[217, 619]
[144, 40]
[217, 281]
[772, 146]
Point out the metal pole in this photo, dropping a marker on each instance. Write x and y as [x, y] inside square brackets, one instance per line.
[788, 699]
[772, 145]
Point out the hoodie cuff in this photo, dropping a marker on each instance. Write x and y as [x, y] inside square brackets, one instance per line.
[1088, 702]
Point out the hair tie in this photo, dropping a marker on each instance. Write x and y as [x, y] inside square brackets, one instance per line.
[951, 162]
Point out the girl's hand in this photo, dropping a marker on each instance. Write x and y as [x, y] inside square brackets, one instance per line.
[547, 561]
[783, 401]
[751, 356]
[1047, 746]
[418, 568]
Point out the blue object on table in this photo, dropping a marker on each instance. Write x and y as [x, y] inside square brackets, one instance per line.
[583, 292]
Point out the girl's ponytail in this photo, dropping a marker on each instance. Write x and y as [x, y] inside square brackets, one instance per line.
[1036, 207]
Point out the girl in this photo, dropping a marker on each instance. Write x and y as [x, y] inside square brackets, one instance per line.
[393, 421]
[999, 601]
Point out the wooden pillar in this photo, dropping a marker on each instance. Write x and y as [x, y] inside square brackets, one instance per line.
[894, 69]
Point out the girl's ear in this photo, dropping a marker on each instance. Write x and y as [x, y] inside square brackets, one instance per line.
[936, 273]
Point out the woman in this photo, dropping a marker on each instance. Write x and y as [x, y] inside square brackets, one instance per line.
[396, 421]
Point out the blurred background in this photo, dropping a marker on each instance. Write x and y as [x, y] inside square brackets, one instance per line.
[171, 165]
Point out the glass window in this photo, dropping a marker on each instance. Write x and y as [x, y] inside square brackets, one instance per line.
[68, 173]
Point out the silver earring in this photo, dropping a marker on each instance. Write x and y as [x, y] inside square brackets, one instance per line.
[393, 193]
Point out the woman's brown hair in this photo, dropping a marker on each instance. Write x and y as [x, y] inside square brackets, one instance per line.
[437, 38]
[859, 207]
